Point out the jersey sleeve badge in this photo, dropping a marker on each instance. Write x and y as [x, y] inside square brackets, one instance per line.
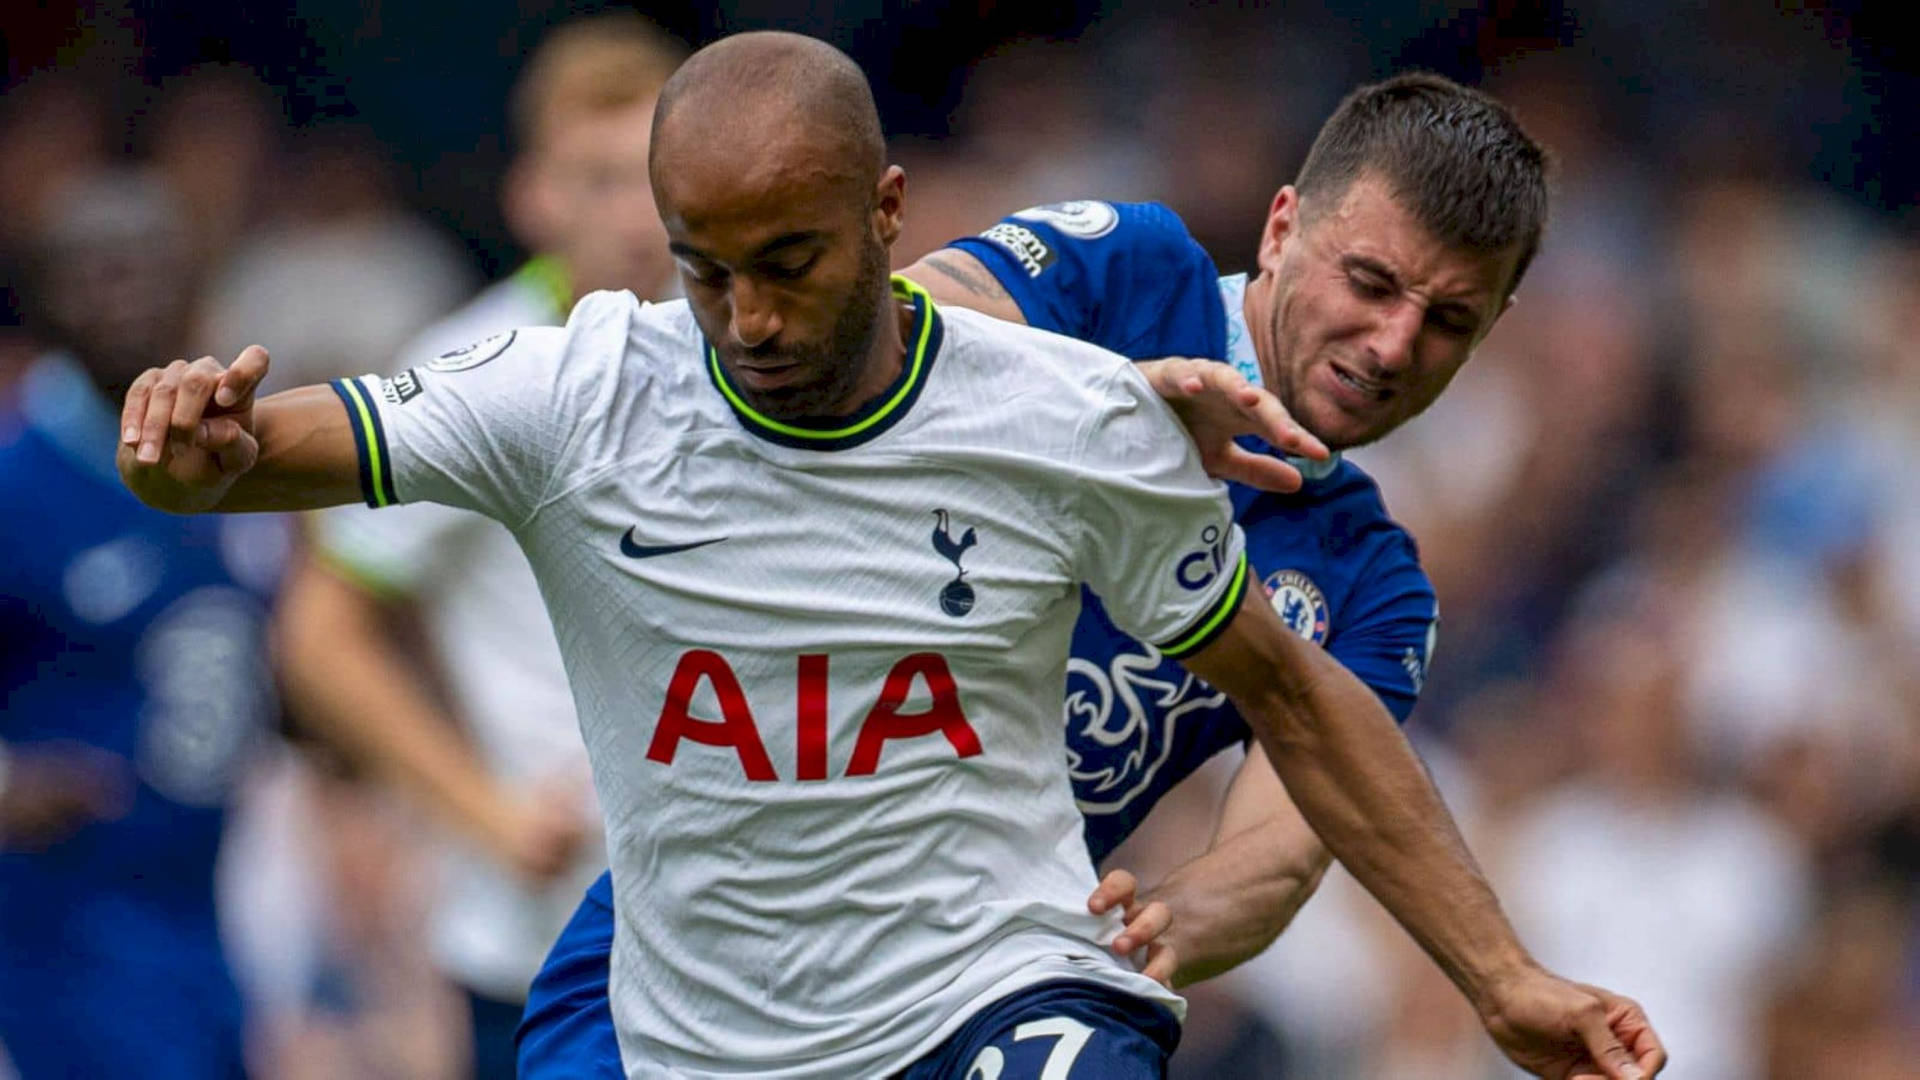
[1083, 219]
[468, 357]
[1300, 604]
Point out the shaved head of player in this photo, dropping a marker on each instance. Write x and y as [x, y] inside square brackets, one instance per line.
[771, 176]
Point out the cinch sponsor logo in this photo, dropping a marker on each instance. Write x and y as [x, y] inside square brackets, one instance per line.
[1022, 244]
[1197, 570]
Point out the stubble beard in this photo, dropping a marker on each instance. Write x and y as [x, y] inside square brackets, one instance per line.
[844, 358]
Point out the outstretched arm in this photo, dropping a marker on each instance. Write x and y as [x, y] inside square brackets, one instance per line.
[1365, 792]
[1214, 402]
[192, 439]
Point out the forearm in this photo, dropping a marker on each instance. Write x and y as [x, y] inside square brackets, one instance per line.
[350, 685]
[307, 456]
[1366, 794]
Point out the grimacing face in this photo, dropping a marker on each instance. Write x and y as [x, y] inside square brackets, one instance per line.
[1371, 316]
[785, 267]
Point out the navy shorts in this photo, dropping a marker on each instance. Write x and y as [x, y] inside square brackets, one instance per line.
[1062, 1030]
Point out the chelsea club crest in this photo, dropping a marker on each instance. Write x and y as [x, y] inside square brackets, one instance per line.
[1301, 604]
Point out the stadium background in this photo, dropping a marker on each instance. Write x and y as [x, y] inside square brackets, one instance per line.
[1668, 509]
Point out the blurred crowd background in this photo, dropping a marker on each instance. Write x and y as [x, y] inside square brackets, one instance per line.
[1669, 508]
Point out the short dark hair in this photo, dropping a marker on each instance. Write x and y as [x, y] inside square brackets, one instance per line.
[1455, 157]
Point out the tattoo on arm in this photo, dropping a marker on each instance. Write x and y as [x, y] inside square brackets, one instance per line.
[976, 286]
[974, 281]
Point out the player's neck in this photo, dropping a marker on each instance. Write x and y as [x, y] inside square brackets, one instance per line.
[1256, 305]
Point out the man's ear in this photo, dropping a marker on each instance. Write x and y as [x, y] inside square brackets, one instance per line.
[890, 204]
[1283, 223]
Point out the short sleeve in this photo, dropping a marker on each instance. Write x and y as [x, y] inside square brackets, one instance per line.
[1162, 550]
[1387, 634]
[488, 426]
[1125, 276]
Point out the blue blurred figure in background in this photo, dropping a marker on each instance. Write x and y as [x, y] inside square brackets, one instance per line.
[136, 676]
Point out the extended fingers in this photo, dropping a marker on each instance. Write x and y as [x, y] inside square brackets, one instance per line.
[197, 384]
[1144, 924]
[1270, 419]
[238, 382]
[1116, 889]
[133, 411]
[1262, 471]
[1162, 963]
[159, 412]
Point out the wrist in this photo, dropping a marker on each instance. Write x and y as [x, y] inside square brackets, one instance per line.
[1491, 988]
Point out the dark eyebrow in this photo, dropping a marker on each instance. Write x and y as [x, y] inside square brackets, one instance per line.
[767, 250]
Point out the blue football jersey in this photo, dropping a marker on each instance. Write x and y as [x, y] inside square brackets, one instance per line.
[1339, 571]
[143, 635]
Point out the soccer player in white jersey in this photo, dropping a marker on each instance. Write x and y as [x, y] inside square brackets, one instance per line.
[812, 553]
[502, 761]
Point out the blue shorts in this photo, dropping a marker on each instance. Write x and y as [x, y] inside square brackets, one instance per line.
[1062, 1030]
[567, 1030]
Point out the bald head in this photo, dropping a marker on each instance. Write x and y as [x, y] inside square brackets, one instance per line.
[772, 182]
[771, 101]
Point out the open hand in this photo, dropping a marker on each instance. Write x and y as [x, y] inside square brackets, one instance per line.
[1146, 922]
[186, 430]
[1217, 404]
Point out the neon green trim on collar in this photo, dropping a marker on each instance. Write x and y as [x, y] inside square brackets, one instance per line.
[918, 356]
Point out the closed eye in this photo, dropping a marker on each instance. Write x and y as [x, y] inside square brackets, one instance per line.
[791, 273]
[703, 273]
[1452, 322]
[1368, 287]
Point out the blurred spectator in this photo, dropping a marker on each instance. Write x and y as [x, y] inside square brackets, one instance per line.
[343, 276]
[217, 141]
[53, 130]
[1637, 872]
[137, 685]
[516, 786]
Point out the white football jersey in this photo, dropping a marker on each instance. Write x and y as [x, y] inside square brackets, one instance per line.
[490, 640]
[819, 666]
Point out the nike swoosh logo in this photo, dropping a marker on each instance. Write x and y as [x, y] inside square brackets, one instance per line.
[648, 551]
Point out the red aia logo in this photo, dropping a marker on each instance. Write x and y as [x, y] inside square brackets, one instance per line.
[736, 727]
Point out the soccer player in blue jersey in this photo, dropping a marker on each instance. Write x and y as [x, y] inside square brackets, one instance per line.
[132, 649]
[1378, 273]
